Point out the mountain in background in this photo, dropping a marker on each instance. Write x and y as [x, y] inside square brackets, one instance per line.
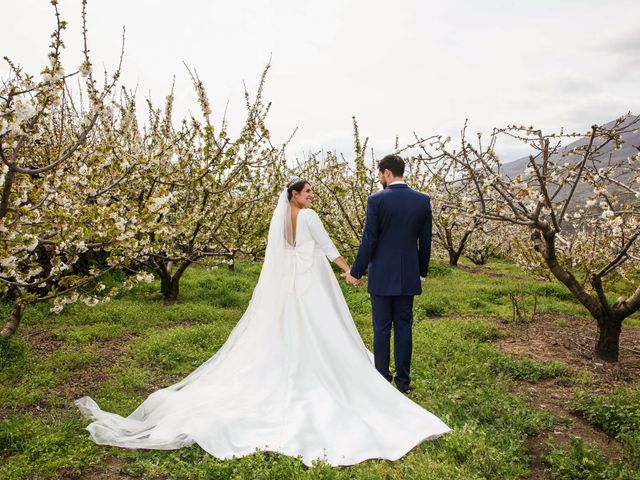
[631, 140]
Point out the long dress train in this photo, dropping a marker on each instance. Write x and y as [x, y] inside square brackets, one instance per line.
[293, 377]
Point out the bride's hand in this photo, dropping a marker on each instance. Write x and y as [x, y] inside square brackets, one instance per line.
[350, 280]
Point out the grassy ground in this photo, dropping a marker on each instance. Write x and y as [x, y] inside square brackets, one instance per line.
[120, 352]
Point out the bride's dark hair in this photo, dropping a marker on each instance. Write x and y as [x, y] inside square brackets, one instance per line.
[296, 184]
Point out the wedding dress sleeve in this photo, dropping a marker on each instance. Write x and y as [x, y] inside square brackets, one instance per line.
[321, 237]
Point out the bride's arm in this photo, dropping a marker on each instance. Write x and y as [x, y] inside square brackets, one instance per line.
[342, 264]
[321, 237]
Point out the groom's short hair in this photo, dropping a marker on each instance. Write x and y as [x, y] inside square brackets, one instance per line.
[395, 163]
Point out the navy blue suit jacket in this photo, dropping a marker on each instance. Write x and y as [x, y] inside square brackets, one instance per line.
[396, 242]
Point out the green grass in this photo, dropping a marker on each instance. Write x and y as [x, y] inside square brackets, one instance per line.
[457, 374]
[39, 447]
[126, 387]
[179, 350]
[631, 322]
[583, 462]
[459, 292]
[618, 413]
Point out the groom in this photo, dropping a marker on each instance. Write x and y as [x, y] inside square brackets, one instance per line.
[395, 247]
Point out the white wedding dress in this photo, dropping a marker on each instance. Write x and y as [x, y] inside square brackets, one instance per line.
[293, 377]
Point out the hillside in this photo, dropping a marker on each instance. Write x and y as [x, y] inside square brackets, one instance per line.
[631, 140]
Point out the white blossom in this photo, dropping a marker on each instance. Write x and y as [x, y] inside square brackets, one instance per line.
[33, 272]
[144, 277]
[23, 110]
[8, 262]
[33, 244]
[90, 301]
[158, 203]
[57, 308]
[60, 267]
[85, 69]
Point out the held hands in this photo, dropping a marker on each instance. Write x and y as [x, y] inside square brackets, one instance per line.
[350, 279]
[346, 268]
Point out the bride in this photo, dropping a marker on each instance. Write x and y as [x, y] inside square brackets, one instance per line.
[294, 376]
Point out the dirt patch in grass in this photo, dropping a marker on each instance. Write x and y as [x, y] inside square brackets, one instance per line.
[111, 469]
[555, 397]
[42, 341]
[83, 381]
[571, 339]
[538, 468]
[80, 381]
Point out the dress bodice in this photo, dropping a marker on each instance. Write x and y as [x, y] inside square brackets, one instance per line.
[309, 227]
[312, 241]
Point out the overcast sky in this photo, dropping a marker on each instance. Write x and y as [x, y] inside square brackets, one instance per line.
[399, 67]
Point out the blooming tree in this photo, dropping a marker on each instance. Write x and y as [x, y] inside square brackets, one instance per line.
[55, 174]
[490, 239]
[586, 243]
[454, 223]
[244, 222]
[196, 180]
[341, 190]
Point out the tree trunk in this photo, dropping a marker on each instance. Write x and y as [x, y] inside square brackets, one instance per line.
[232, 265]
[453, 258]
[170, 284]
[607, 346]
[14, 319]
[165, 283]
[609, 323]
[172, 291]
[478, 258]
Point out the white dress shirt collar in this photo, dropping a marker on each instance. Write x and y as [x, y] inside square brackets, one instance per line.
[397, 181]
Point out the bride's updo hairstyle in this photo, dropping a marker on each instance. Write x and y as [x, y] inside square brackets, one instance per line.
[296, 184]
